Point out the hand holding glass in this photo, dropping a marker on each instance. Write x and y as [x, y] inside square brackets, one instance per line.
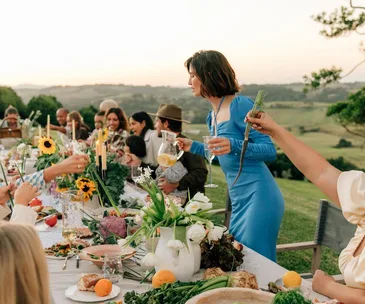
[209, 156]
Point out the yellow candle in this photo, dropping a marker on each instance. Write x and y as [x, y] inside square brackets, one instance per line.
[97, 160]
[100, 135]
[103, 158]
[73, 130]
[97, 148]
[48, 125]
[39, 131]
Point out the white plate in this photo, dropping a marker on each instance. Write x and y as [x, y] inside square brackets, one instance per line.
[89, 296]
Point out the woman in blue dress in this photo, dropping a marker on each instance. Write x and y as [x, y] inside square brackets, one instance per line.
[257, 203]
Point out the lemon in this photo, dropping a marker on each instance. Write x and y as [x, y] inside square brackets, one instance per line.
[292, 279]
[163, 160]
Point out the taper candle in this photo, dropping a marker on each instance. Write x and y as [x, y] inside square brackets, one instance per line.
[73, 130]
[103, 158]
[48, 125]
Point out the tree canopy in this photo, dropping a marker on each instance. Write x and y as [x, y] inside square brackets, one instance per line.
[47, 104]
[340, 22]
[9, 97]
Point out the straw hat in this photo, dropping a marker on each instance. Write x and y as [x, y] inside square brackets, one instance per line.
[170, 111]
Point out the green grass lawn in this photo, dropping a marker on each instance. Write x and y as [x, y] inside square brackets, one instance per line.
[299, 223]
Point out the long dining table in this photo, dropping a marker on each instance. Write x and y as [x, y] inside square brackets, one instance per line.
[265, 270]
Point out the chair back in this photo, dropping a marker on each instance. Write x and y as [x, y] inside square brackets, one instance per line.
[333, 230]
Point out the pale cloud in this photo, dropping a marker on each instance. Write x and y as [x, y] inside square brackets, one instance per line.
[147, 42]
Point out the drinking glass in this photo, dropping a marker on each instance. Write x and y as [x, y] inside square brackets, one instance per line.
[209, 156]
[72, 207]
[113, 267]
[135, 173]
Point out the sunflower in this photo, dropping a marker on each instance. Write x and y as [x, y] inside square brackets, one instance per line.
[47, 145]
[82, 180]
[87, 189]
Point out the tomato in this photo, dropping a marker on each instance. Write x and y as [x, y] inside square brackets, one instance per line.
[51, 221]
[35, 202]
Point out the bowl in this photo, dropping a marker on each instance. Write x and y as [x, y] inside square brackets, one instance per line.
[232, 295]
[95, 254]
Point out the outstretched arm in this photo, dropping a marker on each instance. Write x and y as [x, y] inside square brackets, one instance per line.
[315, 167]
[327, 286]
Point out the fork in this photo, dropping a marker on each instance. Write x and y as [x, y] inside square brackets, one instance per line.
[65, 264]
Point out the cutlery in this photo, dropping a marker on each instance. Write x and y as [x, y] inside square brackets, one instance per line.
[77, 261]
[65, 264]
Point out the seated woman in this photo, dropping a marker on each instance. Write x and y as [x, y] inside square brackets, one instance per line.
[346, 190]
[82, 130]
[118, 127]
[11, 118]
[24, 271]
[72, 164]
[142, 125]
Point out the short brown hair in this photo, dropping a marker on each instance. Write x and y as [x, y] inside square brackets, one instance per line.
[215, 73]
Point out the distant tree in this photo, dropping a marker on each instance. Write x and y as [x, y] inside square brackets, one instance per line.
[47, 104]
[342, 22]
[88, 115]
[9, 97]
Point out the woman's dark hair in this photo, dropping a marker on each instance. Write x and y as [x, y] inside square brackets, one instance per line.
[143, 116]
[76, 116]
[174, 125]
[215, 73]
[136, 145]
[123, 122]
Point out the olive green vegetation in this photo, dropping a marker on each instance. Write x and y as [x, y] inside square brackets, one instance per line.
[301, 197]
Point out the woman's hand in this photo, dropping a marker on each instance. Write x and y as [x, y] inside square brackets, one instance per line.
[73, 164]
[262, 123]
[184, 144]
[219, 146]
[4, 193]
[321, 282]
[131, 159]
[25, 193]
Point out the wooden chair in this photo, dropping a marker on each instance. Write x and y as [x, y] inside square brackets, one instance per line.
[332, 231]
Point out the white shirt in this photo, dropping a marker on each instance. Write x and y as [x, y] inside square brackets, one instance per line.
[153, 143]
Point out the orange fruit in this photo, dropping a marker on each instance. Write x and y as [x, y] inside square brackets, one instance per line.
[292, 279]
[103, 287]
[163, 160]
[162, 277]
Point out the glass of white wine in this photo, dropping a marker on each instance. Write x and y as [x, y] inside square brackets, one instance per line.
[209, 156]
[135, 173]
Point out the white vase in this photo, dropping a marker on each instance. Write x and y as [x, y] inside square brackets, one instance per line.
[197, 256]
[93, 203]
[182, 264]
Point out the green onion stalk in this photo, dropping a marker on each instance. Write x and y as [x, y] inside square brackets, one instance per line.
[255, 110]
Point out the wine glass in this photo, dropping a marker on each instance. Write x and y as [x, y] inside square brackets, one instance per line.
[135, 173]
[209, 156]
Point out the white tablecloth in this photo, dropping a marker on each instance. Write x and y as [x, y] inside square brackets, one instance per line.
[265, 270]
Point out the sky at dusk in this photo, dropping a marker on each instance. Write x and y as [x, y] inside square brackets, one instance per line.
[147, 42]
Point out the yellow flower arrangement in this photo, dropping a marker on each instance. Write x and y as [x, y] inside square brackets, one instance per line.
[47, 145]
[86, 187]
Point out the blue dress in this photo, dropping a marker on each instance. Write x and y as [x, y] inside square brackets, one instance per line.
[257, 203]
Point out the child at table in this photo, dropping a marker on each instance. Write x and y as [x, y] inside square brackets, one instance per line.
[173, 175]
